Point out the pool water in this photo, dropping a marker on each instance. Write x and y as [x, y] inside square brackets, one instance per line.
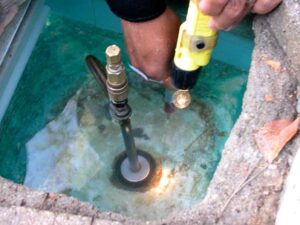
[57, 134]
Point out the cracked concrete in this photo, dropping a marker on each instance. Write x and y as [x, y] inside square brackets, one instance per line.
[277, 40]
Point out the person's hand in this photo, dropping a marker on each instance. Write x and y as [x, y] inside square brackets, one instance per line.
[227, 13]
[151, 44]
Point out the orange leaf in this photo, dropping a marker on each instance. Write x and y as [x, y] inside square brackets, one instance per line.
[275, 65]
[268, 98]
[273, 136]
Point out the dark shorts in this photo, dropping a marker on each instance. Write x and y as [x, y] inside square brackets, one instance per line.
[137, 10]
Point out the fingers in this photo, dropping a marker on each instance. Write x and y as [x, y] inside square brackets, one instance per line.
[226, 13]
[233, 12]
[265, 6]
[247, 9]
[213, 7]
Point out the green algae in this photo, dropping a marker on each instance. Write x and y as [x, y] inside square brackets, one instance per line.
[56, 71]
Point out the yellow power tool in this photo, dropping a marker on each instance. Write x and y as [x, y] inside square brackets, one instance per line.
[194, 47]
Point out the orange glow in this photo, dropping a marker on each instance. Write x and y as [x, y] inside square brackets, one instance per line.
[181, 99]
[166, 182]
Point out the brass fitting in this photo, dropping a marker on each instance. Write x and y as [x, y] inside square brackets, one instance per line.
[113, 55]
[117, 85]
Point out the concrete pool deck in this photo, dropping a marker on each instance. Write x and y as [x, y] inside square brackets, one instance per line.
[277, 40]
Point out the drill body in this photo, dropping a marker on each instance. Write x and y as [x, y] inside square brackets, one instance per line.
[194, 47]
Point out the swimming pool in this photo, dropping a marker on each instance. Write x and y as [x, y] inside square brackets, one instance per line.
[56, 86]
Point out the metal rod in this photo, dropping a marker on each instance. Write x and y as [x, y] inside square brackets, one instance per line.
[98, 71]
[130, 145]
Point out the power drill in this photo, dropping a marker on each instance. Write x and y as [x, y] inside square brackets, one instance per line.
[194, 47]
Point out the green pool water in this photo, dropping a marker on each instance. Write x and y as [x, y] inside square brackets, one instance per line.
[56, 85]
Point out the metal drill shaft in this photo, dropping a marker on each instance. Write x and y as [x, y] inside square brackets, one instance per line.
[131, 150]
[117, 87]
[133, 168]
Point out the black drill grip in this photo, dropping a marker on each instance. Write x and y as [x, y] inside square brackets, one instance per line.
[184, 79]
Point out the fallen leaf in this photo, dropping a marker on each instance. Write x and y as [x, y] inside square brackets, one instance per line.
[273, 136]
[268, 98]
[53, 196]
[275, 65]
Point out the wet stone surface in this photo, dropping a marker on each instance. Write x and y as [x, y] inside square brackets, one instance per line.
[72, 155]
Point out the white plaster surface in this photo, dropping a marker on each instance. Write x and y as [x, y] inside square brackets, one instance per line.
[289, 210]
[74, 154]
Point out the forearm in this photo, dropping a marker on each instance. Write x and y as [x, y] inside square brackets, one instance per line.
[150, 32]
